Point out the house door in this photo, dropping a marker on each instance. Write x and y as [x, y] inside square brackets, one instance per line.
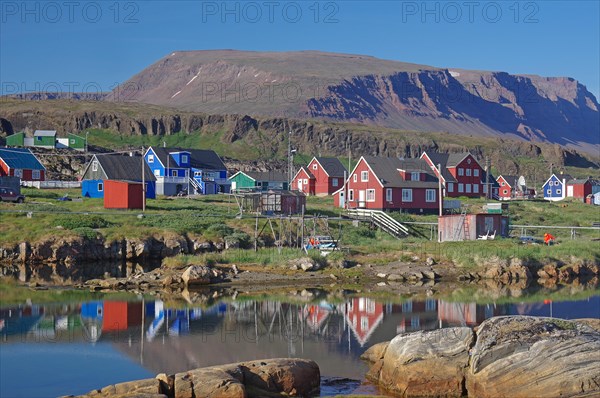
[570, 191]
[361, 198]
[342, 199]
[233, 185]
[299, 184]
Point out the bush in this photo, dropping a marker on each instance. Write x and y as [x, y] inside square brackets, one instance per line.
[82, 221]
[217, 232]
[86, 232]
[241, 238]
[358, 235]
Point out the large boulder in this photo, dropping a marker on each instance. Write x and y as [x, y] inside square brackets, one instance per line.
[425, 363]
[197, 275]
[523, 356]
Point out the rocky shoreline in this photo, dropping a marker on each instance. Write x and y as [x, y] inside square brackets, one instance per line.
[508, 356]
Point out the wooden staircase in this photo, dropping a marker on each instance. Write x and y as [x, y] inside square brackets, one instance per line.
[380, 219]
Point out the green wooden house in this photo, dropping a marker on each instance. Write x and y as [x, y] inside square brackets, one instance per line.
[17, 139]
[44, 138]
[76, 142]
[258, 181]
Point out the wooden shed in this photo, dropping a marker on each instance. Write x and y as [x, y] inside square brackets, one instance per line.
[123, 195]
[460, 227]
[282, 202]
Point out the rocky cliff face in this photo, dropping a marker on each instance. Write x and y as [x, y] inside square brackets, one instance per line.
[371, 91]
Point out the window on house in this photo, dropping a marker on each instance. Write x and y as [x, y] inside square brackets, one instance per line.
[468, 172]
[184, 159]
[388, 194]
[150, 158]
[407, 195]
[334, 182]
[100, 187]
[364, 176]
[35, 174]
[450, 187]
[370, 195]
[174, 173]
[415, 176]
[461, 171]
[461, 188]
[305, 181]
[95, 165]
[430, 305]
[476, 173]
[468, 188]
[351, 195]
[505, 191]
[430, 195]
[364, 322]
[551, 183]
[549, 192]
[558, 191]
[18, 173]
[157, 173]
[315, 167]
[475, 188]
[502, 184]
[354, 177]
[72, 141]
[39, 138]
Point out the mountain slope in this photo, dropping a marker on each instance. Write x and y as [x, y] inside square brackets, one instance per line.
[371, 91]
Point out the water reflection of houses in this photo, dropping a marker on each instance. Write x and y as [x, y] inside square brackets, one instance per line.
[467, 314]
[363, 316]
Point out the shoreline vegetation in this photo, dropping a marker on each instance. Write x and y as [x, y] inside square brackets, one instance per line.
[68, 242]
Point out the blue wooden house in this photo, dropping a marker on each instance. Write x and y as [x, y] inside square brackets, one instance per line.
[115, 167]
[196, 171]
[554, 187]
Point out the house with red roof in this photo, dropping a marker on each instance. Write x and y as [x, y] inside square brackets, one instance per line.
[380, 183]
[322, 176]
[461, 173]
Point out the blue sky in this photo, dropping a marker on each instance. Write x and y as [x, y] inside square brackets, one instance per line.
[87, 44]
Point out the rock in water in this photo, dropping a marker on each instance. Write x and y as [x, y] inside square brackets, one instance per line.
[525, 356]
[196, 275]
[425, 364]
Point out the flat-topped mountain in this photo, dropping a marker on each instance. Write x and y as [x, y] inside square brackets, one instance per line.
[371, 91]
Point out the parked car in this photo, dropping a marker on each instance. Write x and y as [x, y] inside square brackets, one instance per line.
[10, 195]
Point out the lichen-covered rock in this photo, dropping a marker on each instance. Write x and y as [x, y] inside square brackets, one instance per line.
[425, 363]
[523, 356]
[196, 275]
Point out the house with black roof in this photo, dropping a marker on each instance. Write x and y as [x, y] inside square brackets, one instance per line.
[461, 173]
[380, 183]
[176, 169]
[322, 176]
[117, 168]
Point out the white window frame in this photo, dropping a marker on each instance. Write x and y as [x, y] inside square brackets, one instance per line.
[549, 192]
[461, 187]
[389, 195]
[475, 188]
[467, 188]
[371, 193]
[157, 173]
[305, 181]
[95, 165]
[468, 172]
[351, 195]
[18, 173]
[72, 141]
[407, 195]
[475, 172]
[364, 322]
[364, 176]
[334, 182]
[551, 183]
[414, 174]
[430, 195]
[450, 187]
[100, 187]
[150, 158]
[315, 166]
[185, 159]
[502, 184]
[505, 191]
[35, 174]
[559, 191]
[354, 177]
[461, 171]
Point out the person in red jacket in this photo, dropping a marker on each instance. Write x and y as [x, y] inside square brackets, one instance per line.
[549, 239]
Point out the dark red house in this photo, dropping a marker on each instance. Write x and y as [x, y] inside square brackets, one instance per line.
[123, 194]
[322, 176]
[461, 174]
[363, 315]
[580, 188]
[22, 163]
[379, 183]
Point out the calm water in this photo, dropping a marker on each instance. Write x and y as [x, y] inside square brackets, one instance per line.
[71, 348]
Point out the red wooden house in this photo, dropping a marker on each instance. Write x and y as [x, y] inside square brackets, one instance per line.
[379, 183]
[580, 188]
[322, 176]
[508, 186]
[461, 174]
[121, 315]
[22, 163]
[123, 194]
[363, 315]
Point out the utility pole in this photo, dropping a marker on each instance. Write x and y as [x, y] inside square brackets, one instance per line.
[488, 187]
[440, 196]
[143, 181]
[290, 160]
